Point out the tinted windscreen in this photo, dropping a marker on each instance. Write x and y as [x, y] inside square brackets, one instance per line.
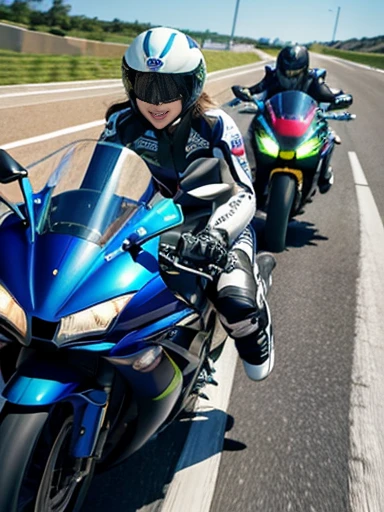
[291, 105]
[88, 194]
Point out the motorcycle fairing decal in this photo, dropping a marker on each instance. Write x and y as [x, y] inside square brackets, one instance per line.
[175, 382]
[295, 172]
[123, 347]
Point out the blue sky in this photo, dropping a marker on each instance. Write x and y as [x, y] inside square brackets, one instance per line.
[302, 21]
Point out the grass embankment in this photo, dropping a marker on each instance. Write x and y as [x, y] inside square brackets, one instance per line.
[375, 60]
[271, 51]
[19, 68]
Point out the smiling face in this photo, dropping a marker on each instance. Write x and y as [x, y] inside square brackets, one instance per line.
[160, 115]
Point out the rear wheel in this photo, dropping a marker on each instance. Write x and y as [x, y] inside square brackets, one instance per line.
[38, 472]
[281, 197]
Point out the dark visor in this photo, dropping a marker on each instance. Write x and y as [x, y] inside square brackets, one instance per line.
[293, 72]
[158, 88]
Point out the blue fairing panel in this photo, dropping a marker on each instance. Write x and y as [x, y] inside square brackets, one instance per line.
[22, 390]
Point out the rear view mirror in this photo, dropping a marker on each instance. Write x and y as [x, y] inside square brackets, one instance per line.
[10, 170]
[163, 215]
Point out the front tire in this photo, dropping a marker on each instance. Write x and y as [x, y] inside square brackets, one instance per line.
[37, 472]
[281, 197]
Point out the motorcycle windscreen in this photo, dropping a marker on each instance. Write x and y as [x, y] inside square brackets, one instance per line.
[88, 193]
[291, 113]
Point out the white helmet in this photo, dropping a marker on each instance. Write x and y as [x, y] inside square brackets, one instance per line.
[163, 65]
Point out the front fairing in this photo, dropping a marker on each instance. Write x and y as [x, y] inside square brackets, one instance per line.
[290, 124]
[82, 215]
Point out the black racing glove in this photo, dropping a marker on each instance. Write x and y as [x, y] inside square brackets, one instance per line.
[204, 249]
[242, 93]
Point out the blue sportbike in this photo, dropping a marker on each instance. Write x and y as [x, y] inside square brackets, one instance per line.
[98, 353]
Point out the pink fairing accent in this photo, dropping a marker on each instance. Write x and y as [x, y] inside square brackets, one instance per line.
[292, 127]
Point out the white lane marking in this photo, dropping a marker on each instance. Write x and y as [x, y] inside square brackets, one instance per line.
[366, 465]
[358, 173]
[29, 103]
[193, 485]
[71, 82]
[52, 135]
[57, 91]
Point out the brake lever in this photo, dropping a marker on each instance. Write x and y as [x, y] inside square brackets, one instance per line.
[175, 262]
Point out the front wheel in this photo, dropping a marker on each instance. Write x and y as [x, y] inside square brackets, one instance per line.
[280, 200]
[38, 472]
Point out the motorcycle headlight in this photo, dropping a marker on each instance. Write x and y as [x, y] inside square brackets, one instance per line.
[308, 148]
[267, 145]
[91, 321]
[12, 312]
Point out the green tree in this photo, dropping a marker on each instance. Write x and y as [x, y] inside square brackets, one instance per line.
[116, 26]
[20, 11]
[58, 15]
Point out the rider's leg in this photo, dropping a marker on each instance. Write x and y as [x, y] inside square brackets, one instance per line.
[242, 306]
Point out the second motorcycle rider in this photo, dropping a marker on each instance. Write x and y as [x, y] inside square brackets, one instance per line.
[170, 122]
[292, 73]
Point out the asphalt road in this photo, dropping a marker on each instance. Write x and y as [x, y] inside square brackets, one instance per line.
[291, 442]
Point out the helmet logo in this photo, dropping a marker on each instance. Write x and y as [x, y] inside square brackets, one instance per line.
[154, 64]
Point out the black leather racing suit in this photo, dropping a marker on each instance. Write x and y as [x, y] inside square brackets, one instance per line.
[239, 297]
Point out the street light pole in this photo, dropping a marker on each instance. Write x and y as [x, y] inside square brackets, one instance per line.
[234, 24]
[336, 22]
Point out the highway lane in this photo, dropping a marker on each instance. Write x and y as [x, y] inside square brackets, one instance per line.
[288, 445]
[295, 427]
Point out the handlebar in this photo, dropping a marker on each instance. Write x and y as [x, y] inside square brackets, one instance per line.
[173, 259]
[342, 116]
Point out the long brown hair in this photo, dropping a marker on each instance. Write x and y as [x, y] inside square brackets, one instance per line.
[204, 103]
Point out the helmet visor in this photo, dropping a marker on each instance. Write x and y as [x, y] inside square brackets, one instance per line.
[289, 82]
[158, 88]
[290, 73]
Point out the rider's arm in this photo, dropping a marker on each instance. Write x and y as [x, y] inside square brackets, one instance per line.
[265, 83]
[320, 92]
[231, 216]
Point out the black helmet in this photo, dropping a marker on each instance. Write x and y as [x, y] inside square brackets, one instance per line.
[292, 66]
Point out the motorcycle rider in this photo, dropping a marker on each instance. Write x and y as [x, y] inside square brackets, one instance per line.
[292, 72]
[170, 122]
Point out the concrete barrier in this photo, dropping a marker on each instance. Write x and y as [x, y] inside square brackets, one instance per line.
[18, 39]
